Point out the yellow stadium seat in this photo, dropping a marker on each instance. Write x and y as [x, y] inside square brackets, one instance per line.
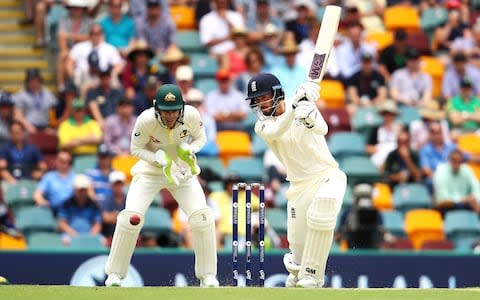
[423, 225]
[475, 168]
[183, 16]
[332, 93]
[232, 144]
[381, 39]
[401, 16]
[435, 68]
[470, 143]
[124, 163]
[8, 242]
[382, 196]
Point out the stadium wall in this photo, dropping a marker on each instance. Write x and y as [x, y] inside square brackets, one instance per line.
[173, 267]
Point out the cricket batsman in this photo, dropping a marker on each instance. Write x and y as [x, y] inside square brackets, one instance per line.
[295, 131]
[165, 139]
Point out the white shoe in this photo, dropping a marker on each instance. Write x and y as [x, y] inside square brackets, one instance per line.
[292, 267]
[113, 280]
[308, 282]
[291, 281]
[209, 281]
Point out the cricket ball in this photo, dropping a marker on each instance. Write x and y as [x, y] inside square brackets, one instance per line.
[135, 220]
[3, 280]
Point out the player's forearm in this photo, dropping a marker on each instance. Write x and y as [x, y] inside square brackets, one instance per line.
[143, 154]
[198, 143]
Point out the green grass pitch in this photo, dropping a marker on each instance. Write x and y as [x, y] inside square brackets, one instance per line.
[30, 292]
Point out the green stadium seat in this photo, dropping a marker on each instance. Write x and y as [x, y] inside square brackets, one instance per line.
[86, 242]
[249, 169]
[365, 118]
[345, 144]
[206, 85]
[35, 219]
[214, 164]
[157, 220]
[189, 42]
[280, 200]
[411, 196]
[360, 169]
[258, 146]
[216, 186]
[431, 18]
[84, 162]
[277, 219]
[408, 115]
[393, 222]
[20, 194]
[249, 123]
[348, 197]
[203, 65]
[45, 240]
[461, 224]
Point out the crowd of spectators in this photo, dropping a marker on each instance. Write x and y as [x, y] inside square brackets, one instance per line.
[111, 56]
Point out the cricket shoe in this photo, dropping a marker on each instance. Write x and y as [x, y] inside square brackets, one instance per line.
[209, 281]
[291, 266]
[309, 282]
[113, 280]
[291, 281]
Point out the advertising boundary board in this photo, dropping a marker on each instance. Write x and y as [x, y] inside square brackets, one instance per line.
[174, 267]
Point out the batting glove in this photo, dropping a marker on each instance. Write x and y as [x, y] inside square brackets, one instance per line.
[186, 154]
[164, 162]
[306, 113]
[308, 90]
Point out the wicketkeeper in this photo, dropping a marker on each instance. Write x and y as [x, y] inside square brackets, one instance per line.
[166, 138]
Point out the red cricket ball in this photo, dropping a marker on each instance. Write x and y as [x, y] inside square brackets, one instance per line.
[135, 220]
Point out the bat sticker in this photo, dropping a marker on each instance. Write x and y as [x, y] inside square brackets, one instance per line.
[317, 64]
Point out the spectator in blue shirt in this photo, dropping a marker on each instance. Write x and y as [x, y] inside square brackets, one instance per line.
[20, 159]
[119, 29]
[99, 174]
[434, 152]
[80, 214]
[114, 203]
[56, 186]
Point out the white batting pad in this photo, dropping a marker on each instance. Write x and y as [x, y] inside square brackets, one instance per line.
[123, 243]
[321, 219]
[202, 223]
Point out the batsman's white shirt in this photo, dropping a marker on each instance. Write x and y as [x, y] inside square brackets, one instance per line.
[149, 136]
[303, 152]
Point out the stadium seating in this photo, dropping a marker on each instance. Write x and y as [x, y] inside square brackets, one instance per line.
[35, 219]
[157, 220]
[393, 222]
[419, 40]
[280, 199]
[249, 169]
[124, 163]
[382, 196]
[431, 18]
[189, 42]
[248, 123]
[47, 143]
[408, 114]
[461, 225]
[232, 144]
[398, 244]
[332, 93]
[348, 197]
[411, 196]
[435, 68]
[381, 39]
[277, 219]
[469, 143]
[183, 16]
[337, 119]
[475, 166]
[206, 85]
[401, 16]
[444, 245]
[214, 164]
[360, 169]
[8, 242]
[346, 144]
[86, 242]
[203, 65]
[422, 225]
[258, 146]
[364, 119]
[45, 240]
[83, 163]
[20, 194]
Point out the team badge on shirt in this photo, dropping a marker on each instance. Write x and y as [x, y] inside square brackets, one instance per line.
[184, 133]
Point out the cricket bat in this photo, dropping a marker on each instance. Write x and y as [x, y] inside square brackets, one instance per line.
[324, 43]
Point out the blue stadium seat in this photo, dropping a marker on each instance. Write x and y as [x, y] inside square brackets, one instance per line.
[35, 219]
[408, 115]
[86, 242]
[393, 222]
[45, 240]
[360, 169]
[462, 225]
[157, 220]
[84, 162]
[348, 197]
[249, 169]
[206, 85]
[258, 146]
[189, 41]
[345, 144]
[203, 65]
[277, 219]
[411, 196]
[20, 194]
[214, 164]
